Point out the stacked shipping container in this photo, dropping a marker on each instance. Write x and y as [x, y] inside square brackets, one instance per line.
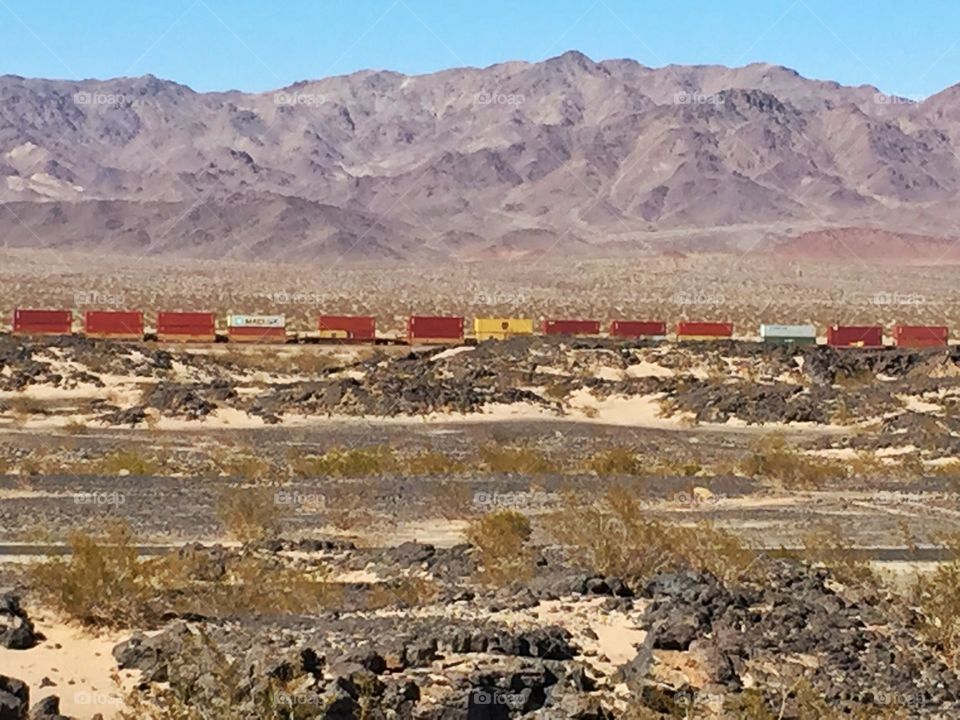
[571, 327]
[704, 330]
[113, 324]
[863, 336]
[789, 334]
[257, 328]
[920, 336]
[501, 328]
[427, 329]
[186, 327]
[42, 322]
[638, 329]
[354, 328]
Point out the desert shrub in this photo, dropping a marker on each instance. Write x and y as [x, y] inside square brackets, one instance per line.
[248, 513]
[770, 458]
[828, 545]
[102, 582]
[358, 462]
[523, 460]
[937, 595]
[615, 535]
[131, 461]
[408, 592]
[500, 539]
[245, 466]
[453, 500]
[433, 463]
[616, 461]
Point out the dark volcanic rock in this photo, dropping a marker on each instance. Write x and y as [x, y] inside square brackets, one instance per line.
[16, 629]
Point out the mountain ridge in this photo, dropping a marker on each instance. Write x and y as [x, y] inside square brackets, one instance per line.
[569, 154]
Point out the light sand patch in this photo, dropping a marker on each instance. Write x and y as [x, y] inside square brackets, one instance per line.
[638, 411]
[452, 352]
[645, 369]
[916, 404]
[78, 662]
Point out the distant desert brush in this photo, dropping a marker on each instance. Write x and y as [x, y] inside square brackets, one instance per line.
[615, 534]
[248, 513]
[771, 458]
[501, 541]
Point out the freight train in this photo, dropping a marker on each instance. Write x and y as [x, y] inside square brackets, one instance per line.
[202, 327]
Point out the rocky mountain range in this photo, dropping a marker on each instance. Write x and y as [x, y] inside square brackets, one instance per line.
[567, 156]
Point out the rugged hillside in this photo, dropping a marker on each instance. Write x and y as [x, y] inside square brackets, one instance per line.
[511, 160]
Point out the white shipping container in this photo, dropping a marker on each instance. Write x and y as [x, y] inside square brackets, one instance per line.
[261, 321]
[780, 331]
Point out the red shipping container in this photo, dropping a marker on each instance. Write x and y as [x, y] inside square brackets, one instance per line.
[855, 336]
[257, 334]
[347, 327]
[571, 327]
[637, 328]
[434, 329]
[920, 336]
[42, 322]
[113, 324]
[186, 327]
[704, 329]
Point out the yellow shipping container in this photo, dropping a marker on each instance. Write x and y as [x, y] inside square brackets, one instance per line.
[501, 328]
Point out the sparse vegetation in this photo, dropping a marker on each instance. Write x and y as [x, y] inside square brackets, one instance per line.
[772, 459]
[616, 535]
[500, 539]
[248, 513]
[524, 460]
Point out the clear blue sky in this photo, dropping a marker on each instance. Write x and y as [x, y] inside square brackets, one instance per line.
[908, 48]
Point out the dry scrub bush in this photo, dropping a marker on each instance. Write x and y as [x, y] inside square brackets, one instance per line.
[433, 463]
[453, 500]
[500, 539]
[408, 592]
[831, 547]
[937, 595]
[617, 462]
[245, 466]
[522, 460]
[614, 535]
[248, 513]
[104, 583]
[771, 458]
[130, 461]
[358, 462]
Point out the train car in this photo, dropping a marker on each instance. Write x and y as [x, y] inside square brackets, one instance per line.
[571, 327]
[257, 328]
[788, 334]
[704, 330]
[186, 327]
[435, 330]
[855, 336]
[347, 328]
[42, 322]
[501, 328]
[638, 329]
[921, 336]
[113, 324]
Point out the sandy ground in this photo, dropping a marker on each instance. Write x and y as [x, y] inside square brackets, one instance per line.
[79, 664]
